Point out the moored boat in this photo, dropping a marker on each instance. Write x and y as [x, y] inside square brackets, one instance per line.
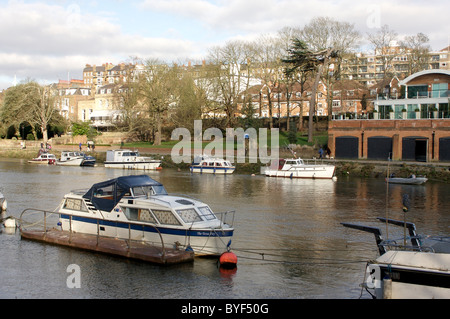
[70, 158]
[415, 271]
[411, 180]
[44, 158]
[128, 159]
[296, 168]
[211, 165]
[139, 207]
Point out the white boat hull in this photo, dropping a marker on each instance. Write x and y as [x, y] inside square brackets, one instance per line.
[411, 275]
[212, 170]
[71, 162]
[306, 171]
[204, 241]
[134, 165]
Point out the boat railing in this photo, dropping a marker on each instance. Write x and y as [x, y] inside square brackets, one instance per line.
[226, 217]
[393, 244]
[51, 219]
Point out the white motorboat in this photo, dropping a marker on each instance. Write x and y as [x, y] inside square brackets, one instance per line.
[128, 159]
[211, 165]
[44, 158]
[416, 271]
[296, 168]
[139, 207]
[70, 158]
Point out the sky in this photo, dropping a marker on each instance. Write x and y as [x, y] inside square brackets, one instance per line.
[53, 40]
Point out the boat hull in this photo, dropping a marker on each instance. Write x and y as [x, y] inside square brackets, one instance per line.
[307, 171]
[71, 162]
[41, 162]
[134, 165]
[410, 275]
[410, 181]
[203, 241]
[212, 170]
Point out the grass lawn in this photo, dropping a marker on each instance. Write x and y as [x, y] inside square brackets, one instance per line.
[319, 139]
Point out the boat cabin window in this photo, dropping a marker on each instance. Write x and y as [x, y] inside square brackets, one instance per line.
[211, 164]
[149, 190]
[105, 192]
[166, 217]
[291, 162]
[74, 204]
[142, 214]
[218, 164]
[189, 215]
[207, 213]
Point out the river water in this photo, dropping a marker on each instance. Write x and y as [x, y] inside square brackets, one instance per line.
[288, 236]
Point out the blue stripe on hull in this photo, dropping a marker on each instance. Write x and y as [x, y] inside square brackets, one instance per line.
[162, 230]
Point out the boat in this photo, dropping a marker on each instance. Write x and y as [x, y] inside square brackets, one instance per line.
[417, 270]
[296, 168]
[411, 180]
[128, 159]
[139, 207]
[211, 165]
[70, 158]
[44, 158]
[88, 160]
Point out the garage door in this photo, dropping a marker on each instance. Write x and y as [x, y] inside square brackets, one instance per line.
[444, 149]
[379, 148]
[414, 149]
[346, 147]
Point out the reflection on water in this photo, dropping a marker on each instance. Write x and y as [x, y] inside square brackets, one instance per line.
[288, 237]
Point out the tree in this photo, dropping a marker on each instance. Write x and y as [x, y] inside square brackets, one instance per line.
[156, 87]
[32, 103]
[228, 75]
[418, 57]
[302, 59]
[382, 41]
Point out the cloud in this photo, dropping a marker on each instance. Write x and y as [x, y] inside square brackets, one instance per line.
[44, 41]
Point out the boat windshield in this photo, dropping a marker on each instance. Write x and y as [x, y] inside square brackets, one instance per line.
[148, 190]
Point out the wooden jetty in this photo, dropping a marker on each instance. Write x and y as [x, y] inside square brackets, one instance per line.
[112, 246]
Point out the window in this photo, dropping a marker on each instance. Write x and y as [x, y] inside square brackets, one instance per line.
[207, 213]
[189, 215]
[75, 204]
[440, 90]
[165, 217]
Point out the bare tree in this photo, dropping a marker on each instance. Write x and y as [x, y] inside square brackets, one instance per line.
[269, 52]
[382, 41]
[418, 52]
[156, 90]
[229, 74]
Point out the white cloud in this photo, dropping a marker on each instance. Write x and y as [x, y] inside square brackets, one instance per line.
[46, 39]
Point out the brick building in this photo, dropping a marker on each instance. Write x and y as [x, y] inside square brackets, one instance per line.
[399, 132]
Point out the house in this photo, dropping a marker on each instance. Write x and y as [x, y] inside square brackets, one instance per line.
[400, 132]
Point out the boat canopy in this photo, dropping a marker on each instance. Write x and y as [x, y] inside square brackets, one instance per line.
[105, 195]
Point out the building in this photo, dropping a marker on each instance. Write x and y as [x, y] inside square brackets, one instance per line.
[398, 131]
[371, 68]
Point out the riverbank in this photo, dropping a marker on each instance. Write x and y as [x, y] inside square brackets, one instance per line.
[359, 168]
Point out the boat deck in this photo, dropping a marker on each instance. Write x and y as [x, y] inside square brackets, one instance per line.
[112, 246]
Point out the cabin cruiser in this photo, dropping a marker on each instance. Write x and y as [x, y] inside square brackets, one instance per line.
[139, 207]
[70, 158]
[296, 168]
[128, 159]
[211, 165]
[415, 271]
[44, 158]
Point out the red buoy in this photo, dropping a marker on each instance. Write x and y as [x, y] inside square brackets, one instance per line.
[228, 260]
